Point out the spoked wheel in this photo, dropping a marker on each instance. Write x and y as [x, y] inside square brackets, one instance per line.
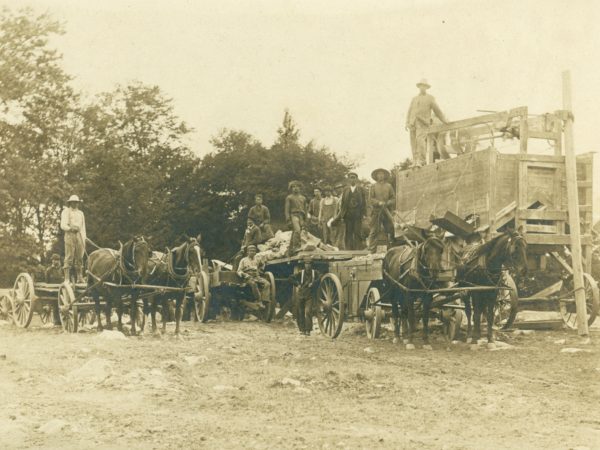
[202, 297]
[568, 311]
[66, 298]
[373, 314]
[507, 304]
[331, 305]
[6, 308]
[23, 300]
[269, 312]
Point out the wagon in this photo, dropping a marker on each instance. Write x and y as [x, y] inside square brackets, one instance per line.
[226, 289]
[516, 188]
[345, 279]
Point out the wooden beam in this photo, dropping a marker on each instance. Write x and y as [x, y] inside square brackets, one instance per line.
[573, 204]
[534, 214]
[488, 118]
[554, 239]
[549, 135]
[546, 229]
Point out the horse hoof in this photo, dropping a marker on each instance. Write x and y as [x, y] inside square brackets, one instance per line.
[455, 342]
[395, 340]
[491, 346]
[405, 341]
[157, 335]
[469, 340]
[410, 346]
[474, 347]
[427, 347]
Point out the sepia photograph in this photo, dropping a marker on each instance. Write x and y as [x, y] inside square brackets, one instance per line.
[299, 224]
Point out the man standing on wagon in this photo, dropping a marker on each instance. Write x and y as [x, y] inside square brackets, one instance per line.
[295, 214]
[352, 210]
[418, 120]
[72, 222]
[382, 201]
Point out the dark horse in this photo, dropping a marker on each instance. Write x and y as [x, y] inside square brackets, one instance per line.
[407, 268]
[174, 269]
[484, 265]
[126, 267]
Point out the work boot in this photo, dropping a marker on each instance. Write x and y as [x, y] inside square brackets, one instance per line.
[80, 279]
[67, 275]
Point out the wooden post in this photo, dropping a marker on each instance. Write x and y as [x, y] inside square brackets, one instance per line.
[573, 205]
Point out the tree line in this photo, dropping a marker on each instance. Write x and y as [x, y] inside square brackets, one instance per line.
[126, 153]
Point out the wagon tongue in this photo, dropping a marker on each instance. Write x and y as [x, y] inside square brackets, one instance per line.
[454, 224]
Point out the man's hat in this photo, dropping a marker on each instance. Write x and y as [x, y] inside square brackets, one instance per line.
[352, 173]
[423, 82]
[55, 257]
[251, 247]
[307, 259]
[339, 185]
[327, 188]
[376, 171]
[73, 198]
[294, 183]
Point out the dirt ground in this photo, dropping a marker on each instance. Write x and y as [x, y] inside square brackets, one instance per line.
[255, 385]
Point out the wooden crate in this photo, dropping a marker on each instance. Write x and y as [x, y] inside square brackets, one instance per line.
[356, 277]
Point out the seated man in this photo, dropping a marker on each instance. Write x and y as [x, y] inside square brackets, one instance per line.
[262, 217]
[249, 270]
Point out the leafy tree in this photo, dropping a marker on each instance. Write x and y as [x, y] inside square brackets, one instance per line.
[37, 105]
[135, 167]
[241, 166]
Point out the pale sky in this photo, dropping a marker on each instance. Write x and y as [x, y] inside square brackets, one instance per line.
[345, 69]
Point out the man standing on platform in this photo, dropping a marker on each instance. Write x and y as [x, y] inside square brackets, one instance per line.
[72, 222]
[262, 217]
[327, 211]
[418, 120]
[382, 201]
[352, 211]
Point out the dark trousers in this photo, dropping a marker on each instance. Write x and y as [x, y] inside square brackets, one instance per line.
[353, 239]
[304, 313]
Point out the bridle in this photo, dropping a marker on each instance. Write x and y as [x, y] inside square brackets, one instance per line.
[129, 269]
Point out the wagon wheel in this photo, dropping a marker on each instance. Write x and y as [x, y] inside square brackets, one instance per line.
[373, 314]
[567, 307]
[66, 298]
[202, 297]
[6, 308]
[23, 300]
[269, 312]
[507, 304]
[331, 305]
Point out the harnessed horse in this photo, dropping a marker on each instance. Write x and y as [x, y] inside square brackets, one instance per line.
[128, 266]
[173, 269]
[406, 268]
[485, 266]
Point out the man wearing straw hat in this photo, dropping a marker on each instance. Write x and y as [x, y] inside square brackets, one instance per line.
[72, 222]
[418, 120]
[382, 200]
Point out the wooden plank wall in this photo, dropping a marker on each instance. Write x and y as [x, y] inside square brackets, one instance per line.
[461, 185]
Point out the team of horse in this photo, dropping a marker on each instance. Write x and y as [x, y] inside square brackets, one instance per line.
[135, 271]
[412, 270]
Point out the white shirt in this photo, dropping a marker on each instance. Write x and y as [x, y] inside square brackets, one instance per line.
[353, 188]
[73, 217]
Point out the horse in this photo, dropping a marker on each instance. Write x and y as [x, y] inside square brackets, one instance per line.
[484, 265]
[174, 268]
[406, 268]
[127, 266]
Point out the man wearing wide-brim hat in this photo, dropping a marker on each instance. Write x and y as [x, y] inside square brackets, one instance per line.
[382, 200]
[418, 120]
[72, 222]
